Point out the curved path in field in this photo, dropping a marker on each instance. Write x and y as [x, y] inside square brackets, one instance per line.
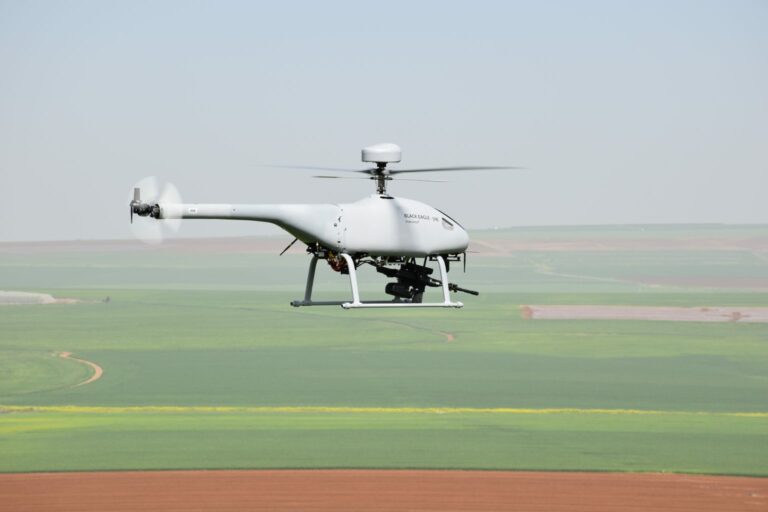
[98, 371]
[378, 490]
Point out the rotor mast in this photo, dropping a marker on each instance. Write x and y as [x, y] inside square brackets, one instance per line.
[381, 155]
[380, 174]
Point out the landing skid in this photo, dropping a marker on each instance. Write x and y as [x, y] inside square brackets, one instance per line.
[357, 303]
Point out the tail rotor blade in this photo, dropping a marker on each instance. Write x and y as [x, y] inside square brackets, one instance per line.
[170, 195]
[149, 231]
[149, 189]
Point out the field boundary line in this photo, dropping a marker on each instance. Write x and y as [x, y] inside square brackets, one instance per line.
[360, 410]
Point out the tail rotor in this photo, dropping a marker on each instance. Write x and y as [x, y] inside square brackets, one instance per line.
[153, 232]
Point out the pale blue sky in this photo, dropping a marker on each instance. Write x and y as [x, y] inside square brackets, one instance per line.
[625, 112]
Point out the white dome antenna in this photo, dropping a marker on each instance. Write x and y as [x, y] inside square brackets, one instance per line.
[385, 153]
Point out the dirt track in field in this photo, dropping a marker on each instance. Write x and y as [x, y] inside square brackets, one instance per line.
[98, 371]
[674, 314]
[352, 490]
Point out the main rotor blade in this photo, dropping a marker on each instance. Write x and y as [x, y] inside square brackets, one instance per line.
[316, 168]
[342, 177]
[373, 178]
[374, 171]
[457, 168]
[424, 181]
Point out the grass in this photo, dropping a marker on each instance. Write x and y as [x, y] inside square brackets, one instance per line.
[356, 376]
[202, 354]
[690, 443]
[174, 348]
[25, 372]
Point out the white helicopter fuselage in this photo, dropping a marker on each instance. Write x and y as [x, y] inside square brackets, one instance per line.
[390, 234]
[377, 225]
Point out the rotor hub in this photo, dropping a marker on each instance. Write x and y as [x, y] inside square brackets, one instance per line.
[381, 155]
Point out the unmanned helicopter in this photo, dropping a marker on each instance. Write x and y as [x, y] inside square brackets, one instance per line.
[397, 236]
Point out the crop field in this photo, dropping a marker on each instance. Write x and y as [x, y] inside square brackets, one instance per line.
[205, 365]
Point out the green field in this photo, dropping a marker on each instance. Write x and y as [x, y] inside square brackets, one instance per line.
[202, 355]
[133, 439]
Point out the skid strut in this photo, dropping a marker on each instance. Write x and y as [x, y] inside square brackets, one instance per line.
[357, 303]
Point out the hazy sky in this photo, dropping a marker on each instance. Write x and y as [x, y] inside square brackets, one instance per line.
[624, 112]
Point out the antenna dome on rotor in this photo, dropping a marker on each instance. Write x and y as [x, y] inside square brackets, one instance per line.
[382, 153]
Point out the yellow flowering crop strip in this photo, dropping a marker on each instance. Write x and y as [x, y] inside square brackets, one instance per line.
[354, 410]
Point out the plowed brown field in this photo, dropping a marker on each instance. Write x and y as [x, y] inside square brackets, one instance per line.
[351, 490]
[659, 313]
